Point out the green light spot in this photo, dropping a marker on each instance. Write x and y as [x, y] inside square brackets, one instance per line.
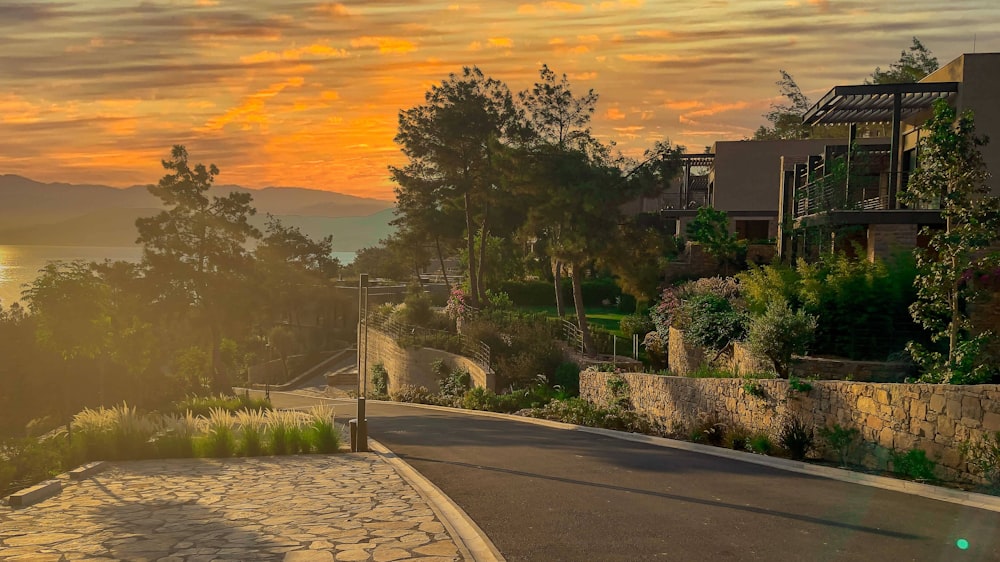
[962, 544]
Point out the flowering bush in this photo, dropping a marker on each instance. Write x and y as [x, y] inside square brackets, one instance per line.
[457, 306]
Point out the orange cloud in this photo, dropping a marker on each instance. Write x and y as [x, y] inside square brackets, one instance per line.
[316, 50]
[655, 33]
[385, 45]
[718, 108]
[649, 58]
[682, 105]
[333, 9]
[583, 76]
[614, 114]
[500, 42]
[251, 111]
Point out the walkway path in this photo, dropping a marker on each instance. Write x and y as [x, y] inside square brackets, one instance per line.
[299, 508]
[547, 494]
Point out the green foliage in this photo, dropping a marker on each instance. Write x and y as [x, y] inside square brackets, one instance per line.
[705, 371]
[913, 65]
[914, 464]
[520, 345]
[380, 380]
[709, 429]
[202, 405]
[453, 382]
[710, 228]
[762, 285]
[737, 438]
[28, 461]
[713, 322]
[567, 377]
[581, 412]
[754, 388]
[797, 438]
[983, 457]
[953, 173]
[796, 384]
[840, 439]
[761, 444]
[636, 325]
[411, 393]
[779, 333]
[619, 389]
[322, 433]
[786, 118]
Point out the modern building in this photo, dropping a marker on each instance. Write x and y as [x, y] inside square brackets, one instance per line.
[843, 200]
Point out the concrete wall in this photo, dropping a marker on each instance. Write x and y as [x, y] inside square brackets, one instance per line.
[684, 358]
[935, 418]
[979, 74]
[413, 366]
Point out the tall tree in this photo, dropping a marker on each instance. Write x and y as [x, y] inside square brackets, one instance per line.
[450, 142]
[786, 117]
[196, 250]
[952, 171]
[913, 65]
[558, 121]
[294, 271]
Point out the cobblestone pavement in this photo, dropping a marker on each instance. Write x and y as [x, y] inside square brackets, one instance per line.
[297, 508]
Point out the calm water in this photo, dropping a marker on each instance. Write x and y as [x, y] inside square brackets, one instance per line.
[19, 265]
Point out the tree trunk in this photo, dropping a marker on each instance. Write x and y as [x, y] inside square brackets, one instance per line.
[581, 314]
[484, 235]
[470, 239]
[557, 279]
[444, 273]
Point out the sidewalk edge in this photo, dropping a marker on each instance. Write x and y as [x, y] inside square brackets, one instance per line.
[467, 534]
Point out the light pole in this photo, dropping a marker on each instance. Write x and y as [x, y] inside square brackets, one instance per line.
[361, 434]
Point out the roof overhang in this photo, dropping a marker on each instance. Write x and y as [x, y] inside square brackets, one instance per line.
[698, 160]
[873, 103]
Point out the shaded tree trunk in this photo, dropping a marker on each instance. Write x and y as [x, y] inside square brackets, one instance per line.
[470, 240]
[557, 280]
[581, 313]
[484, 235]
[444, 272]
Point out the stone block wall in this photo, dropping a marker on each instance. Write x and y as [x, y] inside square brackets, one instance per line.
[935, 418]
[885, 239]
[413, 366]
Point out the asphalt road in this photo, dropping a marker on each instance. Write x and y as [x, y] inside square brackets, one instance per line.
[546, 494]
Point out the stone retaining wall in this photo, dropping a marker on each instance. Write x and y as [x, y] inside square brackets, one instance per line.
[413, 366]
[900, 417]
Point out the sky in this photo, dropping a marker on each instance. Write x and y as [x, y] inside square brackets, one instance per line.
[307, 93]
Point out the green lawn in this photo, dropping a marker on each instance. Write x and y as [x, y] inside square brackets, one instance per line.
[605, 317]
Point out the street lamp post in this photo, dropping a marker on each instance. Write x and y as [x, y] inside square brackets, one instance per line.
[361, 438]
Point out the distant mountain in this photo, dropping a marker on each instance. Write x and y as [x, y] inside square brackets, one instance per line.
[61, 214]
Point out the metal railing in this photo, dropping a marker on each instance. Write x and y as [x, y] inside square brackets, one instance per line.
[472, 348]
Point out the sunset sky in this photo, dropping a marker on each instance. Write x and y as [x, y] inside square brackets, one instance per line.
[297, 93]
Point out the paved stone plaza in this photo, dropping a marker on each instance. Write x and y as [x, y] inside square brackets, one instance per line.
[299, 508]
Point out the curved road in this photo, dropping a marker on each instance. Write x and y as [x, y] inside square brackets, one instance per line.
[548, 494]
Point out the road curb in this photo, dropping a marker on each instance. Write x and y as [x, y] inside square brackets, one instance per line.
[960, 497]
[471, 540]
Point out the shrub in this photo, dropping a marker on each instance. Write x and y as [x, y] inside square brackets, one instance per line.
[796, 384]
[737, 438]
[797, 438]
[983, 457]
[412, 394]
[220, 441]
[712, 322]
[761, 444]
[251, 425]
[567, 377]
[914, 463]
[202, 405]
[323, 434]
[840, 439]
[709, 429]
[581, 412]
[286, 432]
[380, 380]
[453, 383]
[177, 437]
[779, 333]
[754, 388]
[636, 325]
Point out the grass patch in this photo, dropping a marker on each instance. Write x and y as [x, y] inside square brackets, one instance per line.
[607, 318]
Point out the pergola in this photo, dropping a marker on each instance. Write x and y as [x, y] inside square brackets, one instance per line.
[878, 103]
